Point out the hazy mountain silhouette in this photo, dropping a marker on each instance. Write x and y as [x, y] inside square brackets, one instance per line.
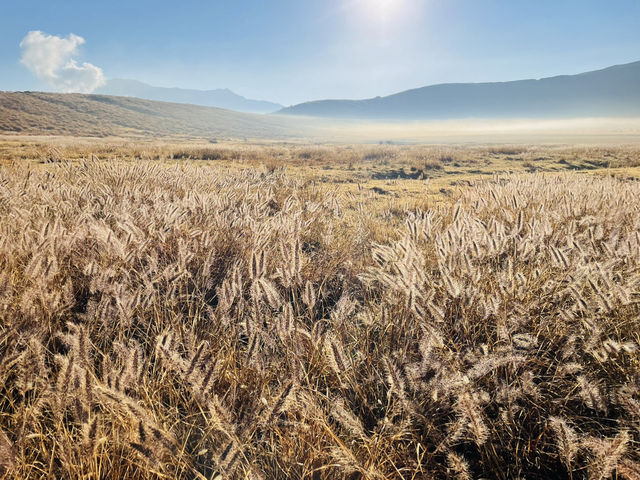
[221, 98]
[613, 91]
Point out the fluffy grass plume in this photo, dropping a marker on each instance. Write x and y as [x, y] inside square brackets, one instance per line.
[183, 322]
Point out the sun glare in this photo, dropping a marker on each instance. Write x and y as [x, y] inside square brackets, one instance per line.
[383, 6]
[382, 12]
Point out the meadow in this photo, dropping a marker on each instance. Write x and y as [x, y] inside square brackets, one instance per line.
[202, 310]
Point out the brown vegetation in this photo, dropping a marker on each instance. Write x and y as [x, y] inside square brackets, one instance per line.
[105, 115]
[186, 322]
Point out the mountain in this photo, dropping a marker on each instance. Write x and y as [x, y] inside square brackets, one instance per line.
[613, 91]
[221, 98]
[102, 115]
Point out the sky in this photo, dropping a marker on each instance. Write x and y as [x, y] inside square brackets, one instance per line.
[290, 51]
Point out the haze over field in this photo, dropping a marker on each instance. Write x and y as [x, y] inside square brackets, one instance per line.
[38, 113]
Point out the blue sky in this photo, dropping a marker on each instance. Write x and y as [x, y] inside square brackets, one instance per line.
[296, 50]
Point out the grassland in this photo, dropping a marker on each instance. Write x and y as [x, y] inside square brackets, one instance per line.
[402, 176]
[104, 115]
[181, 310]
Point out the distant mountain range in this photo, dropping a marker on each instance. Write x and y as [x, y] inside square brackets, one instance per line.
[220, 98]
[613, 91]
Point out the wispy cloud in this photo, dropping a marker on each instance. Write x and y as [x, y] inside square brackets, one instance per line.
[51, 58]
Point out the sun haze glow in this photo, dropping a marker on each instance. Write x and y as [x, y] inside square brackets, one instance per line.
[384, 7]
[381, 11]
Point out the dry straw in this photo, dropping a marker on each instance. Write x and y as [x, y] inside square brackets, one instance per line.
[189, 323]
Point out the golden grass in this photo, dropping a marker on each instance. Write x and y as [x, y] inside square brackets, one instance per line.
[263, 317]
[105, 115]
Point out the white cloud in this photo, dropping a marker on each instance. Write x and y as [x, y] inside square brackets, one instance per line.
[50, 58]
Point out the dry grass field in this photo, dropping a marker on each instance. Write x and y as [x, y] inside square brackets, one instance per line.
[105, 115]
[199, 311]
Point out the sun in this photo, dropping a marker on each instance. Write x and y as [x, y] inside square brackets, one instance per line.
[385, 19]
[381, 11]
[384, 7]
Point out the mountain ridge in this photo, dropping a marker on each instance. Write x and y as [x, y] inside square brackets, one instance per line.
[614, 90]
[219, 98]
[104, 115]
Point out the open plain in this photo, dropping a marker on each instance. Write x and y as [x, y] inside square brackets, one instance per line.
[188, 309]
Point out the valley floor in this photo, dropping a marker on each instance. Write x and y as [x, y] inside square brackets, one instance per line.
[224, 310]
[380, 174]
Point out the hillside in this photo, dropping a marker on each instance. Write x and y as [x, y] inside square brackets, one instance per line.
[102, 115]
[221, 98]
[614, 91]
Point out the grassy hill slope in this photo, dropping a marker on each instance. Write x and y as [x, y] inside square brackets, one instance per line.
[104, 115]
